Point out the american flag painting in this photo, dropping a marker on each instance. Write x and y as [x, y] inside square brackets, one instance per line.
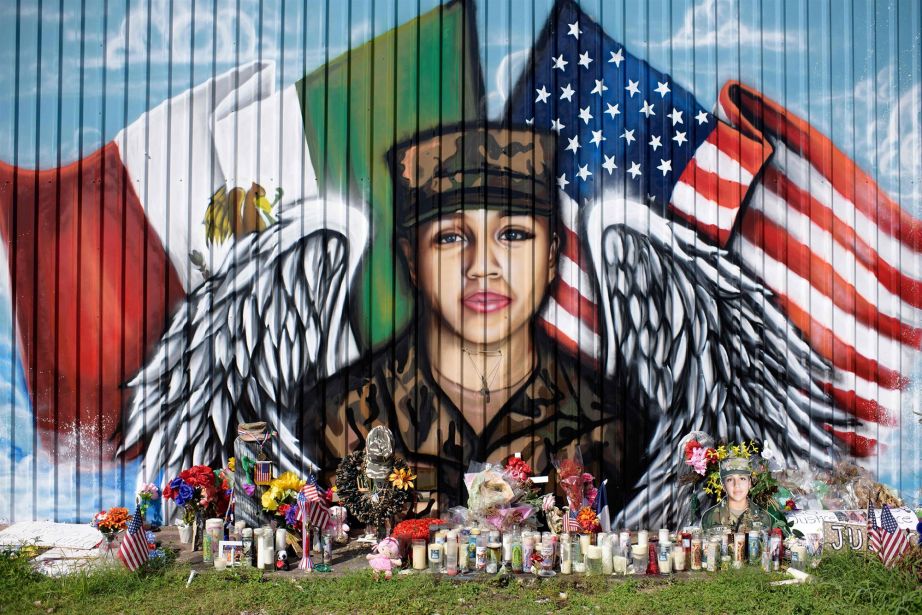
[625, 126]
[134, 549]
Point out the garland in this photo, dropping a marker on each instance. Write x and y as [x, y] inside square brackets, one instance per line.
[390, 501]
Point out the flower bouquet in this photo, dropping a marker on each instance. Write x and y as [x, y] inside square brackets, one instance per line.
[110, 523]
[498, 495]
[201, 492]
[149, 493]
[281, 499]
[578, 486]
[409, 530]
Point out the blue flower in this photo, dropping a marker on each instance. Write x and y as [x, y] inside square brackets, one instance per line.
[151, 538]
[184, 494]
[155, 554]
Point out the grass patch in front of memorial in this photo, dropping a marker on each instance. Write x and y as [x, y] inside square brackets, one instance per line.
[841, 584]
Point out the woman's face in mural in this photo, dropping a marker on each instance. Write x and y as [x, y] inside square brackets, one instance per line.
[484, 273]
[737, 487]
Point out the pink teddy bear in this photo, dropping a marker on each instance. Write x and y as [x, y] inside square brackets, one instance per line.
[385, 557]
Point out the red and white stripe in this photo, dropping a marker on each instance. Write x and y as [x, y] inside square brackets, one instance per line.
[714, 184]
[571, 314]
[842, 259]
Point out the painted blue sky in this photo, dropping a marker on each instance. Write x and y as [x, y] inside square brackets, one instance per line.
[79, 71]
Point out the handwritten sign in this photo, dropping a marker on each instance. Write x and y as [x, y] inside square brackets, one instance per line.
[839, 536]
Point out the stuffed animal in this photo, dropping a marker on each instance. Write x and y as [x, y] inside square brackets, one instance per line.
[281, 560]
[385, 557]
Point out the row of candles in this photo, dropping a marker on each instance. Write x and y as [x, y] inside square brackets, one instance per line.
[259, 546]
[464, 550]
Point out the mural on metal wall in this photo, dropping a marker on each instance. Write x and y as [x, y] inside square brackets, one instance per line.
[589, 253]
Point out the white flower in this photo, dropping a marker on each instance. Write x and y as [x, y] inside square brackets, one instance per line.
[773, 459]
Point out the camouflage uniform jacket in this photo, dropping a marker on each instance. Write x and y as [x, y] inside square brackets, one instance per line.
[562, 402]
[720, 516]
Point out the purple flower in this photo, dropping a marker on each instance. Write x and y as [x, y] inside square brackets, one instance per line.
[291, 516]
[250, 489]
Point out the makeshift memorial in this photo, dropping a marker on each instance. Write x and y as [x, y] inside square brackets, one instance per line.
[374, 484]
[201, 493]
[737, 477]
[384, 558]
[110, 523]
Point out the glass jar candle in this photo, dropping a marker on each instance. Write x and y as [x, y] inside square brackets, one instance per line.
[643, 537]
[619, 560]
[451, 557]
[695, 553]
[435, 557]
[494, 553]
[678, 558]
[518, 563]
[247, 555]
[639, 559]
[507, 546]
[566, 550]
[739, 549]
[419, 554]
[754, 548]
[576, 554]
[713, 553]
[594, 560]
[269, 540]
[480, 554]
[663, 535]
[547, 559]
[664, 557]
[584, 541]
[607, 555]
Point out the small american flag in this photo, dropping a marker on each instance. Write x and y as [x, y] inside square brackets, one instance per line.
[893, 542]
[134, 550]
[873, 530]
[262, 472]
[312, 502]
[570, 526]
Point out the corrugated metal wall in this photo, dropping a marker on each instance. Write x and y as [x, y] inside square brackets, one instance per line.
[495, 226]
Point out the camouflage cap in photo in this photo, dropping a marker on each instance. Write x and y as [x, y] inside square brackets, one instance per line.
[474, 167]
[734, 465]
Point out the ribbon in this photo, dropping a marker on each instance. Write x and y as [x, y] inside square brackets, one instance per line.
[247, 464]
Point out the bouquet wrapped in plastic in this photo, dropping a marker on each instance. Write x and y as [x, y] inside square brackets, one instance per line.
[578, 486]
[498, 494]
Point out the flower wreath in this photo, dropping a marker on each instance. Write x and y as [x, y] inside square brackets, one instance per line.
[390, 500]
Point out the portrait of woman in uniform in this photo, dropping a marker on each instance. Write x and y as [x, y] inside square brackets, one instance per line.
[474, 378]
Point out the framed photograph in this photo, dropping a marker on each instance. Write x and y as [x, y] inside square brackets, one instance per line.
[231, 551]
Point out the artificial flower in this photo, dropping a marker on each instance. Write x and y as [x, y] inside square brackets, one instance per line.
[288, 481]
[548, 502]
[588, 520]
[790, 505]
[270, 498]
[402, 478]
[698, 460]
[232, 464]
[519, 469]
[690, 447]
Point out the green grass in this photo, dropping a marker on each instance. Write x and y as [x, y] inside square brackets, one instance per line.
[842, 584]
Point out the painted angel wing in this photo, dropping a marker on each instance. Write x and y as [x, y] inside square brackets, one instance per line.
[703, 347]
[271, 320]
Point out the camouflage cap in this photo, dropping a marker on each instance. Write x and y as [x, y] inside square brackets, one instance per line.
[473, 167]
[734, 465]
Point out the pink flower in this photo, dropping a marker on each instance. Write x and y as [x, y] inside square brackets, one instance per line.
[591, 494]
[698, 460]
[548, 502]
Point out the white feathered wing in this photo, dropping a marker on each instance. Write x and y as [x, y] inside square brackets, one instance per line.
[242, 345]
[702, 347]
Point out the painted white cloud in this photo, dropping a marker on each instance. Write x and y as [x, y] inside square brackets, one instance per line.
[176, 32]
[719, 23]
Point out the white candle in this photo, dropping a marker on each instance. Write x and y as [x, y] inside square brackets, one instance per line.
[619, 563]
[259, 543]
[507, 547]
[678, 558]
[281, 539]
[663, 535]
[584, 545]
[607, 566]
[419, 554]
[220, 563]
[642, 537]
